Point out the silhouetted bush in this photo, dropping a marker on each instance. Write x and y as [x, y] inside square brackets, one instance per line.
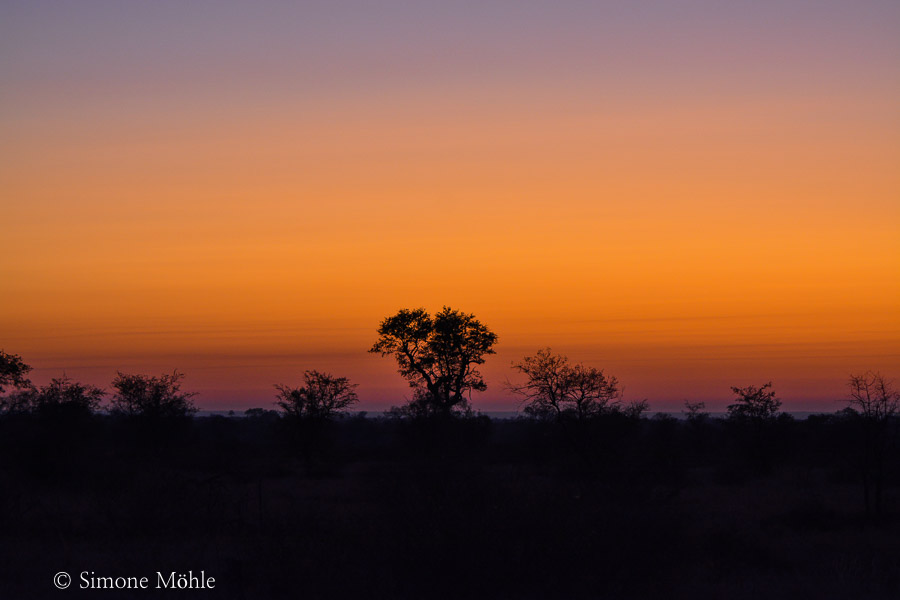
[62, 399]
[13, 372]
[321, 397]
[151, 398]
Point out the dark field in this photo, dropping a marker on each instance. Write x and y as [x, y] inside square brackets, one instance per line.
[467, 508]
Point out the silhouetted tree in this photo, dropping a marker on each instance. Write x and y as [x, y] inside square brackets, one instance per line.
[754, 416]
[873, 397]
[151, 397]
[694, 411]
[322, 397]
[13, 373]
[757, 404]
[62, 398]
[309, 410]
[873, 404]
[700, 427]
[573, 396]
[438, 356]
[636, 408]
[556, 389]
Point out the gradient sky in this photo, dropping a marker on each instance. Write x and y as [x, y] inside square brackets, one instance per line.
[690, 195]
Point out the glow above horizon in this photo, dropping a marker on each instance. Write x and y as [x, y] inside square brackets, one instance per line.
[688, 195]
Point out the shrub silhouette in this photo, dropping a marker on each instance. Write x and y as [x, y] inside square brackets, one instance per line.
[61, 399]
[309, 409]
[756, 404]
[262, 414]
[322, 397]
[753, 418]
[151, 398]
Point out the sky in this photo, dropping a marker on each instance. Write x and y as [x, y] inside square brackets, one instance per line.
[689, 195]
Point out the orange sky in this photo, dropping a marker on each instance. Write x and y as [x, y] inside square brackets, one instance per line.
[694, 222]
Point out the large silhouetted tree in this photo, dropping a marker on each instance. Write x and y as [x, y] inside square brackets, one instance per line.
[322, 397]
[438, 356]
[554, 388]
[874, 404]
[151, 397]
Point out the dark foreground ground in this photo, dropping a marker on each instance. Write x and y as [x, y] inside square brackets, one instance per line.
[381, 508]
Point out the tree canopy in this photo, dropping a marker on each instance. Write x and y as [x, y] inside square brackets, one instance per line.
[61, 398]
[873, 397]
[13, 371]
[322, 396]
[754, 403]
[438, 355]
[151, 397]
[556, 388]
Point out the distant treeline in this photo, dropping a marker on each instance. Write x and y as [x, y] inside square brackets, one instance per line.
[439, 357]
[579, 406]
[583, 496]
